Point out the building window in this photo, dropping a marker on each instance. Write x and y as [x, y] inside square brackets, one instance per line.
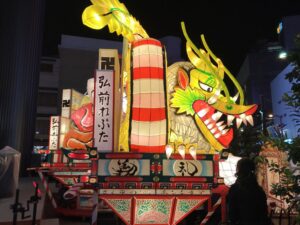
[47, 99]
[46, 67]
[42, 126]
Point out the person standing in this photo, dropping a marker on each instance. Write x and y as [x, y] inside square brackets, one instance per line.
[247, 201]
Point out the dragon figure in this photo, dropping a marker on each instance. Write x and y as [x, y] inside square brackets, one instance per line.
[199, 110]
[197, 89]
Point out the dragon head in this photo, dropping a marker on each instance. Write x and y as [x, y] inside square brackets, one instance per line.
[202, 93]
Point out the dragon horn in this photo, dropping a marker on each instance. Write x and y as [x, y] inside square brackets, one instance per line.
[207, 62]
[235, 82]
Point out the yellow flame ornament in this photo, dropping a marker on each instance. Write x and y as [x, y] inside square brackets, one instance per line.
[115, 15]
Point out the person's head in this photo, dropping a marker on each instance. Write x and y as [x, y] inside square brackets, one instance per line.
[245, 167]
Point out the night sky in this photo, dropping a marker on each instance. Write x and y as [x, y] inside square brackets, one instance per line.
[231, 28]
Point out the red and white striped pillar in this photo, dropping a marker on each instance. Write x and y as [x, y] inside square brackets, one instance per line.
[94, 217]
[211, 212]
[148, 130]
[47, 189]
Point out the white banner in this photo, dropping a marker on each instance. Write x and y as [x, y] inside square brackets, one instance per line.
[103, 103]
[54, 133]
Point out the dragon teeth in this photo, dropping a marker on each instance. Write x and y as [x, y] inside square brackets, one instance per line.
[216, 116]
[243, 117]
[224, 131]
[203, 112]
[222, 127]
[220, 123]
[207, 121]
[213, 130]
[249, 118]
[230, 118]
[238, 122]
[209, 126]
[217, 135]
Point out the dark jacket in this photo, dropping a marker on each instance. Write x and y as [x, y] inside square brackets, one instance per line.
[247, 204]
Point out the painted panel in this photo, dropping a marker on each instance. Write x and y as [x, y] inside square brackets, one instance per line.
[186, 206]
[123, 167]
[194, 168]
[153, 211]
[122, 206]
[127, 191]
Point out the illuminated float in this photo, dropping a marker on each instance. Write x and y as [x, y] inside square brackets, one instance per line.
[146, 138]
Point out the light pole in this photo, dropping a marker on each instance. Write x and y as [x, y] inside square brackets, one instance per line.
[262, 115]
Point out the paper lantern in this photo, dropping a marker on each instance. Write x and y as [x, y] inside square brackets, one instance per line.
[148, 113]
[228, 169]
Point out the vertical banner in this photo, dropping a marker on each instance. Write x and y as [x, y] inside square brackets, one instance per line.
[66, 103]
[104, 111]
[56, 123]
[54, 133]
[71, 101]
[109, 60]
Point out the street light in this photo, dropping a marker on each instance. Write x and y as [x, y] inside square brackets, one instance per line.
[282, 55]
[272, 116]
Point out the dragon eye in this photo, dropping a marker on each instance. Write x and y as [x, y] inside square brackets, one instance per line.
[205, 87]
